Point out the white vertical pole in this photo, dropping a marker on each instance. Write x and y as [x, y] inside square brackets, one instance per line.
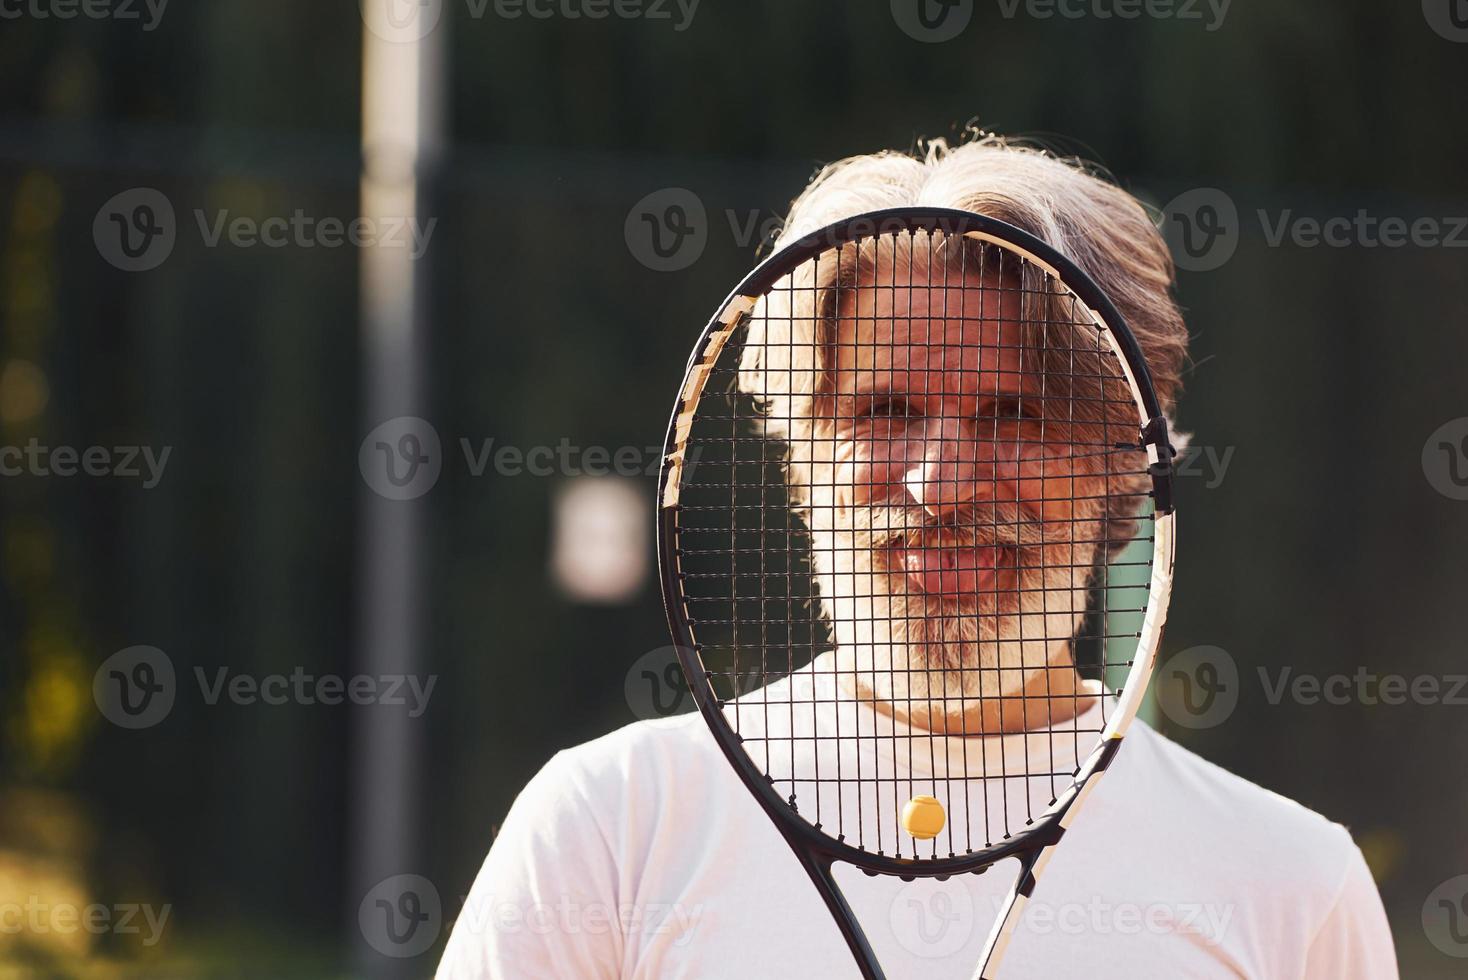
[402, 138]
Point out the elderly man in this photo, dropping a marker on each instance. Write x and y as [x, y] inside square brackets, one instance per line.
[922, 459]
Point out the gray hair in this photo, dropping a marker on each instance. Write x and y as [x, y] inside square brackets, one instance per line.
[1066, 203]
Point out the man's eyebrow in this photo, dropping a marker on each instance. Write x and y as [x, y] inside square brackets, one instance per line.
[1012, 384]
[866, 390]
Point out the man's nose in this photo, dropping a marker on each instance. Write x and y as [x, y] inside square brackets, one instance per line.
[952, 469]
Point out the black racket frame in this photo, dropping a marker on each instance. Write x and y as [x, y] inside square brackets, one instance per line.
[818, 852]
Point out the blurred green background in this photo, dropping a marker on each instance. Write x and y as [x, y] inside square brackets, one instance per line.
[1323, 546]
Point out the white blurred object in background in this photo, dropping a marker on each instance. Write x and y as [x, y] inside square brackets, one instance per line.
[601, 539]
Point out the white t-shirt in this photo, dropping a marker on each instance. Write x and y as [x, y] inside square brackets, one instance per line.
[642, 856]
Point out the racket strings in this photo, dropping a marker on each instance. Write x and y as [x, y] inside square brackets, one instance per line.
[899, 367]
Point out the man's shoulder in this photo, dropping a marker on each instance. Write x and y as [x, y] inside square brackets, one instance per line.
[1211, 787]
[640, 758]
[1183, 800]
[637, 790]
[655, 739]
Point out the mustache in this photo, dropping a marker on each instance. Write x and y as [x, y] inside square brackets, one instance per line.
[995, 525]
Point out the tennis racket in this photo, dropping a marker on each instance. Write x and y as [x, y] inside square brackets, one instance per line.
[916, 544]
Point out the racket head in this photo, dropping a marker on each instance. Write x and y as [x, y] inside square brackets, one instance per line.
[730, 535]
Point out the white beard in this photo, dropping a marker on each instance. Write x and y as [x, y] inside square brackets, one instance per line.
[921, 653]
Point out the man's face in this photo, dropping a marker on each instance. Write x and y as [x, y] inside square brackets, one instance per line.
[955, 535]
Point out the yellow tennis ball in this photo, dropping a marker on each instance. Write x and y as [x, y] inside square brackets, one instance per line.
[923, 817]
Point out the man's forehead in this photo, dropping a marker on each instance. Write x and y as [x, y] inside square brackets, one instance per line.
[921, 323]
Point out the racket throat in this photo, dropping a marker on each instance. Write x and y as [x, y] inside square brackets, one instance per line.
[1011, 913]
[819, 869]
